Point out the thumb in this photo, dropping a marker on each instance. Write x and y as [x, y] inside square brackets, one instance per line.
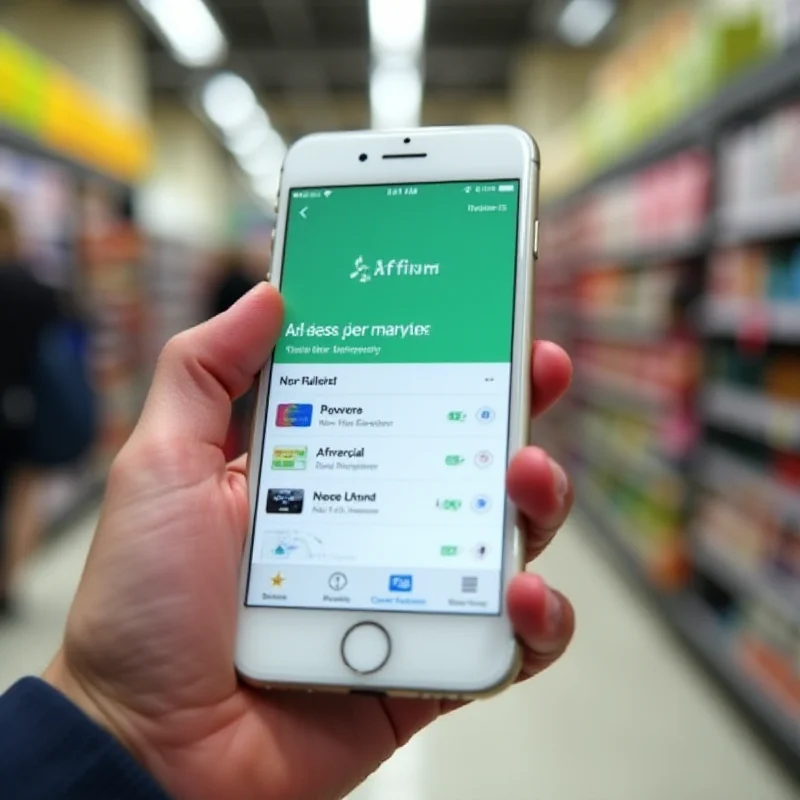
[202, 370]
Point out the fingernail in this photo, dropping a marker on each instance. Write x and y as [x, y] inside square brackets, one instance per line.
[560, 481]
[553, 613]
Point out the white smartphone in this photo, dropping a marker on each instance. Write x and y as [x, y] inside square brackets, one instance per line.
[382, 542]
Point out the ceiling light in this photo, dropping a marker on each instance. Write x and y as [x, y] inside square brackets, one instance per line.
[267, 159]
[249, 137]
[397, 26]
[582, 21]
[257, 121]
[249, 141]
[189, 29]
[263, 165]
[395, 95]
[228, 100]
[267, 187]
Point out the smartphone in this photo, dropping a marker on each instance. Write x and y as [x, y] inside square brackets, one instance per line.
[382, 542]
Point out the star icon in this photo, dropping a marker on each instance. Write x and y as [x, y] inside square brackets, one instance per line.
[278, 579]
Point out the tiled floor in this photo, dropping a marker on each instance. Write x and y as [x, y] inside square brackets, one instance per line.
[625, 716]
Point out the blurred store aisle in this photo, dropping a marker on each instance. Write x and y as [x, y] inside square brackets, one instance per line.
[626, 716]
[29, 639]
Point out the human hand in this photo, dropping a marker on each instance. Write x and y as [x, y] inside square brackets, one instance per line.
[148, 650]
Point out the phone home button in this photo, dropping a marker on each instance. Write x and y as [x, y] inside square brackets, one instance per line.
[366, 647]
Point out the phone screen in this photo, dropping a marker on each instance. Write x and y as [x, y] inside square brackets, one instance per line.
[382, 482]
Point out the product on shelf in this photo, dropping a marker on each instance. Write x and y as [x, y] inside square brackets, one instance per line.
[664, 206]
[666, 370]
[768, 653]
[761, 162]
[770, 373]
[639, 298]
[111, 262]
[685, 328]
[759, 274]
[649, 530]
[740, 528]
[174, 276]
[655, 81]
[785, 561]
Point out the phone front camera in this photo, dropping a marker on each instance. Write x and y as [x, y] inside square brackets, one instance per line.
[406, 140]
[362, 157]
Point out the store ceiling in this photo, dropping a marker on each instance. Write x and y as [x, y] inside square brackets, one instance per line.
[310, 59]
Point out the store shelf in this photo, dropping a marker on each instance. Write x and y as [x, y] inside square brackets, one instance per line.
[779, 321]
[611, 523]
[621, 329]
[720, 644]
[598, 387]
[681, 249]
[24, 144]
[707, 639]
[697, 628]
[782, 597]
[641, 463]
[723, 473]
[776, 218]
[756, 90]
[752, 414]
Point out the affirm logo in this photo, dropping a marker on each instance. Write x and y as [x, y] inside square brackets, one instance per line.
[402, 268]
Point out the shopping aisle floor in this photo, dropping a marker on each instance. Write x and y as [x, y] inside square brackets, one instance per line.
[625, 716]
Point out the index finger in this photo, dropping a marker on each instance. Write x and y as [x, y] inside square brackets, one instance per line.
[551, 375]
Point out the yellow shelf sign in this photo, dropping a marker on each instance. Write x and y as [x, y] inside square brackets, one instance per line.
[42, 101]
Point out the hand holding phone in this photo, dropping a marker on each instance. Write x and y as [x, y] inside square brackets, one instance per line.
[382, 543]
[149, 644]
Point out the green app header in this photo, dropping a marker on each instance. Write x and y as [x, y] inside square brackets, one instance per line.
[420, 273]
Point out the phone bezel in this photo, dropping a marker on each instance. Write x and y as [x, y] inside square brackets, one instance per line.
[432, 654]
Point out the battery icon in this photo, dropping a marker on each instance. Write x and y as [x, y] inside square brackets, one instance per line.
[506, 187]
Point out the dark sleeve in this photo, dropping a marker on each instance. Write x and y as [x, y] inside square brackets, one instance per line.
[49, 750]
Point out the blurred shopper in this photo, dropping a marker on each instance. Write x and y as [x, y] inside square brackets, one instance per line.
[46, 408]
[26, 309]
[233, 281]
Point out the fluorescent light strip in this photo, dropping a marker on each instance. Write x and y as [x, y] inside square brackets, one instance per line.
[248, 142]
[190, 30]
[257, 121]
[267, 159]
[397, 26]
[267, 187]
[395, 95]
[582, 21]
[397, 36]
[229, 101]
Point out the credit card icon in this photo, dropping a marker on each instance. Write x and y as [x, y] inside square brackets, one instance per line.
[290, 458]
[294, 415]
[285, 501]
[401, 583]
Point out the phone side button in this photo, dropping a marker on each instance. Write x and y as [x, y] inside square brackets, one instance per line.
[271, 253]
[536, 239]
[366, 648]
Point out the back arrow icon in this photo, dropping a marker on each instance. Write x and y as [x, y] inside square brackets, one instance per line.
[304, 212]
